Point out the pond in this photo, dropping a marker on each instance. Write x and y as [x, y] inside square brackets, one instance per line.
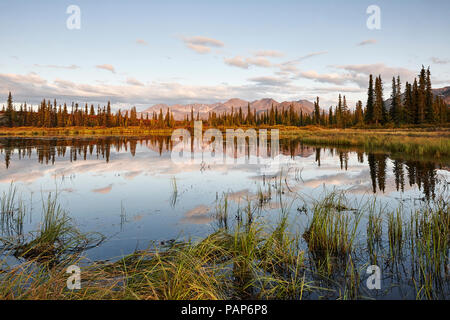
[130, 190]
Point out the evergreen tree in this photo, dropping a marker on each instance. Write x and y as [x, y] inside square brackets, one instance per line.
[10, 111]
[429, 110]
[369, 113]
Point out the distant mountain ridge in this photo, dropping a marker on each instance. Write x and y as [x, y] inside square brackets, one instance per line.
[442, 92]
[181, 110]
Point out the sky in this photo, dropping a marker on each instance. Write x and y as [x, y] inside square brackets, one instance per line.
[140, 53]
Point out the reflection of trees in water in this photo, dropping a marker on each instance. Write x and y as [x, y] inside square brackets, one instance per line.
[424, 175]
[377, 167]
[48, 150]
[420, 173]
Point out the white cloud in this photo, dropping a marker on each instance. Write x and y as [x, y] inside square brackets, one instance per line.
[32, 88]
[269, 81]
[52, 66]
[386, 72]
[198, 48]
[134, 82]
[259, 61]
[439, 61]
[245, 63]
[107, 67]
[313, 54]
[142, 42]
[366, 42]
[359, 74]
[327, 77]
[237, 62]
[202, 44]
[269, 53]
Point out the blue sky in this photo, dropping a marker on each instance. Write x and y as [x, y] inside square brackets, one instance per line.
[147, 52]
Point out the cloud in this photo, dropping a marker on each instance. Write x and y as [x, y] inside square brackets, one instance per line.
[310, 55]
[290, 67]
[385, 71]
[366, 42]
[134, 82]
[198, 48]
[32, 88]
[107, 67]
[359, 74]
[439, 61]
[245, 63]
[237, 62]
[269, 81]
[202, 44]
[71, 67]
[142, 42]
[268, 53]
[327, 77]
[259, 61]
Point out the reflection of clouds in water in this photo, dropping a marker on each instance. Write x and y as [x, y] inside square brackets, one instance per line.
[132, 174]
[355, 179]
[197, 215]
[104, 190]
[242, 195]
[137, 217]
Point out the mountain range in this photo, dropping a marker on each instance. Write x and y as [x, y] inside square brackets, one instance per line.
[181, 110]
[442, 92]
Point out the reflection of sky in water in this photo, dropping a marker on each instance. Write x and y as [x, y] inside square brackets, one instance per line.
[94, 191]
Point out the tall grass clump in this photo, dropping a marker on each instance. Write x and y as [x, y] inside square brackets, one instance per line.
[429, 248]
[395, 233]
[57, 235]
[332, 230]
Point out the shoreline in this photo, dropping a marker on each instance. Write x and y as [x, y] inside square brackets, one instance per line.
[423, 141]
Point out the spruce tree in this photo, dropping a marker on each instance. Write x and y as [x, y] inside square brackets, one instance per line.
[429, 110]
[10, 111]
[370, 102]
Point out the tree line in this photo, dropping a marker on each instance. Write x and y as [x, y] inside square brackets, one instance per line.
[415, 106]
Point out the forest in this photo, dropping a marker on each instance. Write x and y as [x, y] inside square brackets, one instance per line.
[416, 105]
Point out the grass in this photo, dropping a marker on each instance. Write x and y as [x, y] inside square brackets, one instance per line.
[246, 257]
[81, 131]
[412, 142]
[332, 230]
[429, 248]
[56, 237]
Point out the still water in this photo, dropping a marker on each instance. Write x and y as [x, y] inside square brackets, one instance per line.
[131, 191]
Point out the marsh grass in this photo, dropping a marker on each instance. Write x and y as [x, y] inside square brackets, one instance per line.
[395, 233]
[56, 236]
[411, 142]
[246, 257]
[374, 231]
[12, 214]
[332, 231]
[429, 234]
